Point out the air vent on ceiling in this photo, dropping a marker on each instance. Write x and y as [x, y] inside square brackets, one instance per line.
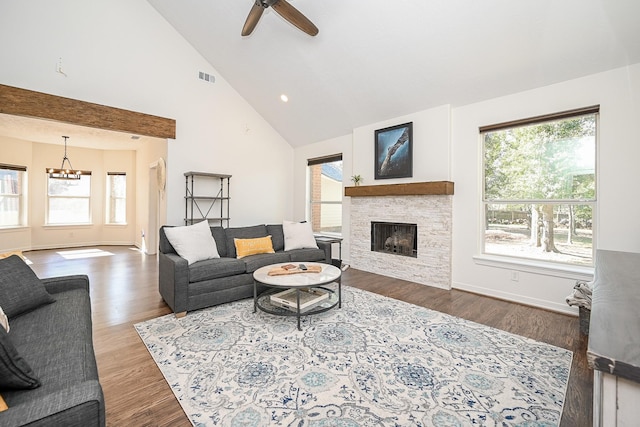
[206, 77]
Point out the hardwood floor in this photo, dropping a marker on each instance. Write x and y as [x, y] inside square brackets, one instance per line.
[124, 291]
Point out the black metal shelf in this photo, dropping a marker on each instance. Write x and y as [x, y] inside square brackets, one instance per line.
[206, 198]
[198, 208]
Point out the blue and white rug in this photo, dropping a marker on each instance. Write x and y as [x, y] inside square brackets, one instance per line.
[374, 362]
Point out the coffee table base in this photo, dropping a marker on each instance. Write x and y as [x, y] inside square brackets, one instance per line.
[263, 302]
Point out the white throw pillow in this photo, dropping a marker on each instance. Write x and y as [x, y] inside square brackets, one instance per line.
[298, 235]
[193, 242]
[4, 320]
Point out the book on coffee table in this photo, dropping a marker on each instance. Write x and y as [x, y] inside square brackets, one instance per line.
[309, 298]
[281, 271]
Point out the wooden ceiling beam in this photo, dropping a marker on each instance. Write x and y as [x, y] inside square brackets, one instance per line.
[28, 103]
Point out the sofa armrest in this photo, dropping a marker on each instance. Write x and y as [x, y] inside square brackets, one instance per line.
[55, 285]
[326, 247]
[173, 281]
[77, 406]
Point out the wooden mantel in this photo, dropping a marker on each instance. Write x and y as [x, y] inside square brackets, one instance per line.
[431, 188]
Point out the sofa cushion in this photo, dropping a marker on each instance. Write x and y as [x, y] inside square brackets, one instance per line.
[193, 242]
[242, 233]
[254, 262]
[15, 372]
[215, 268]
[307, 254]
[164, 244]
[20, 288]
[298, 235]
[259, 245]
[277, 236]
[220, 237]
[56, 340]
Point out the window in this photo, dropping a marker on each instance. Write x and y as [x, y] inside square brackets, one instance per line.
[540, 187]
[116, 198]
[326, 194]
[12, 195]
[69, 200]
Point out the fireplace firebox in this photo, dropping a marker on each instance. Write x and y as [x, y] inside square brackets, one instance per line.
[394, 238]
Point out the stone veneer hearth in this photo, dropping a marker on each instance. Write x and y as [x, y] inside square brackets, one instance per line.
[432, 214]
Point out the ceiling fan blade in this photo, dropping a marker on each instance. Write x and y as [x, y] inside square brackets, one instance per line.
[293, 15]
[252, 19]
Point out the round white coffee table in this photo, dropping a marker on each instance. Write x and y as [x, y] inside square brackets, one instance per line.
[297, 294]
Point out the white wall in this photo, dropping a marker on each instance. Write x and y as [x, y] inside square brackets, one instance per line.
[146, 182]
[122, 53]
[447, 147]
[618, 210]
[431, 154]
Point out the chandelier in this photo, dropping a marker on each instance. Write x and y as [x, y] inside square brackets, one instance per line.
[65, 173]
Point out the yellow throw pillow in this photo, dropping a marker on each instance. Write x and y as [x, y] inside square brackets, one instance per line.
[246, 247]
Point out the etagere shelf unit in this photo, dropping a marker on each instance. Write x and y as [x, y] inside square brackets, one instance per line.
[206, 198]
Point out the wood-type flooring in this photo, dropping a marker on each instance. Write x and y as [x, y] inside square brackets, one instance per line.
[124, 291]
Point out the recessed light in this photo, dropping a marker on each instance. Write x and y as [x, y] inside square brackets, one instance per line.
[284, 98]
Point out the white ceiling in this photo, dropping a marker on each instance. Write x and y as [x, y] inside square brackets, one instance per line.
[375, 60]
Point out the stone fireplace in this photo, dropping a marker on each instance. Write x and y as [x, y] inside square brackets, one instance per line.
[431, 214]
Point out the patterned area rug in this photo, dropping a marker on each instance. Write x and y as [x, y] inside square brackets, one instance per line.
[374, 362]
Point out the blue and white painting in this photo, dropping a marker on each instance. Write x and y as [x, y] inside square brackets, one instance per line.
[394, 152]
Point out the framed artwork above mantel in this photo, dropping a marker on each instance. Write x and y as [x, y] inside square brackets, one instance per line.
[394, 152]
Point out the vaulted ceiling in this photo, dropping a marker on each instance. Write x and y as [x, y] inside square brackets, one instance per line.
[375, 60]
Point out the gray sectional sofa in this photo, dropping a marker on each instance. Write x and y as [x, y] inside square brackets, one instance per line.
[216, 281]
[49, 371]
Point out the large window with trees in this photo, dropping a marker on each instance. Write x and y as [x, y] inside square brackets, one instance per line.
[540, 187]
[12, 195]
[325, 194]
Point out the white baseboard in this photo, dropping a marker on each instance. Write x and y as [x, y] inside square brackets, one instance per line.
[520, 299]
[78, 245]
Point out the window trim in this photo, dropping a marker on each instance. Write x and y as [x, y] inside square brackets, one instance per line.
[541, 267]
[593, 109]
[324, 159]
[13, 167]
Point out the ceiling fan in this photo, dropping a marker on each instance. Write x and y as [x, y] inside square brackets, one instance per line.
[284, 9]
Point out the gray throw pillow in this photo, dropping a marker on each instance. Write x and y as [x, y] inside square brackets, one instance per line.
[15, 372]
[20, 288]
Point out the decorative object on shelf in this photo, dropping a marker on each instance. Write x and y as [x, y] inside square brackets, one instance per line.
[66, 173]
[357, 179]
[394, 152]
